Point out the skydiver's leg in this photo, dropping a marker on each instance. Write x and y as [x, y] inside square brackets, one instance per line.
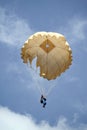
[41, 101]
[43, 105]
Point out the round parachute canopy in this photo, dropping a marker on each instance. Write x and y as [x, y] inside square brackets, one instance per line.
[53, 53]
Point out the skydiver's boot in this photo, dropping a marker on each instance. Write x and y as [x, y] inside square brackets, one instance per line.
[44, 105]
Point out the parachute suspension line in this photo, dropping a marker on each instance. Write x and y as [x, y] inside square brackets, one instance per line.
[37, 84]
[50, 89]
[30, 66]
[37, 81]
[40, 88]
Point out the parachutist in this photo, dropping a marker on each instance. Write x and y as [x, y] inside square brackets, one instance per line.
[43, 101]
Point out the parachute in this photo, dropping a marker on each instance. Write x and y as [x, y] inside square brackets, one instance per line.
[53, 53]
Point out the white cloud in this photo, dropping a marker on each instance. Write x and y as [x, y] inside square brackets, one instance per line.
[13, 30]
[13, 67]
[75, 30]
[71, 78]
[78, 28]
[75, 117]
[81, 106]
[13, 121]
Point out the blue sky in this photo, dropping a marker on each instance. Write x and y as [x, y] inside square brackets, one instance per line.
[19, 97]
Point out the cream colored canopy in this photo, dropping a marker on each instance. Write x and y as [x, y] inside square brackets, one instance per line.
[53, 53]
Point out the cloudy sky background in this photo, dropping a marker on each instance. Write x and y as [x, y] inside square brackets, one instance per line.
[19, 97]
